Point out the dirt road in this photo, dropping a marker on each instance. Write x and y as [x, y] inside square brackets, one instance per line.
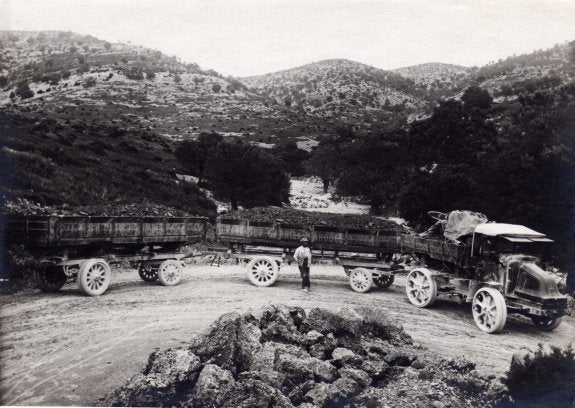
[69, 349]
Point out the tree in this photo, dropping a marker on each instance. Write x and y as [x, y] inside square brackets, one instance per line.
[193, 153]
[216, 88]
[246, 175]
[292, 158]
[476, 97]
[374, 168]
[325, 164]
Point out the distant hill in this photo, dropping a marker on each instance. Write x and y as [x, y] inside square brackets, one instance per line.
[340, 88]
[439, 80]
[72, 75]
[528, 72]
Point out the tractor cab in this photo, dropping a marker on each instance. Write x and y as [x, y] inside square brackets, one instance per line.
[511, 255]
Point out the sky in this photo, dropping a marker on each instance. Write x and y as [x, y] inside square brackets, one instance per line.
[253, 37]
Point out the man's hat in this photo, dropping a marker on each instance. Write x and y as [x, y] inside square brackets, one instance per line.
[304, 240]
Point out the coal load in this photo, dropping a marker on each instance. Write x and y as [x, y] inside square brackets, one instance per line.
[308, 218]
[283, 357]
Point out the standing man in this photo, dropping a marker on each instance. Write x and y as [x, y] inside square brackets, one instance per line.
[302, 256]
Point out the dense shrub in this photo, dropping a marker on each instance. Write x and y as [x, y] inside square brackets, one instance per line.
[541, 372]
[23, 90]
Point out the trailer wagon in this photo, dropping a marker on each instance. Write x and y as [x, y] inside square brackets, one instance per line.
[81, 248]
[365, 253]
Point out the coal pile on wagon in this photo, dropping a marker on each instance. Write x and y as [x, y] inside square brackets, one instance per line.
[309, 218]
[283, 357]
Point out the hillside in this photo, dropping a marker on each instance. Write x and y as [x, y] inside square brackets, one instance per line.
[541, 69]
[340, 88]
[438, 80]
[80, 76]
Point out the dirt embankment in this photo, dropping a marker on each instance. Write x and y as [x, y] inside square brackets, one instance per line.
[69, 349]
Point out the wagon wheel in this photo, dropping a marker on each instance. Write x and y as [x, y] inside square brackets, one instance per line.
[50, 279]
[148, 272]
[384, 281]
[360, 280]
[94, 277]
[262, 271]
[170, 272]
[489, 310]
[421, 288]
[546, 323]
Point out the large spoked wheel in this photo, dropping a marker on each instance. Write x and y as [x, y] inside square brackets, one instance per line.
[170, 272]
[262, 271]
[50, 279]
[384, 281]
[94, 277]
[421, 288]
[360, 280]
[148, 272]
[489, 310]
[546, 323]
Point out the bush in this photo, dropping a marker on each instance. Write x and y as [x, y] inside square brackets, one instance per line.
[541, 372]
[23, 90]
[216, 88]
[90, 82]
[3, 80]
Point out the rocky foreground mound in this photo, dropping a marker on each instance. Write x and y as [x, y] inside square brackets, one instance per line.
[281, 357]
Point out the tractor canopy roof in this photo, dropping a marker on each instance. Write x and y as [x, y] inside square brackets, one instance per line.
[509, 231]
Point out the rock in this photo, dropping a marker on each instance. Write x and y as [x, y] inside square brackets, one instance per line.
[211, 387]
[314, 335]
[264, 360]
[173, 364]
[399, 359]
[251, 393]
[165, 373]
[298, 315]
[352, 361]
[280, 323]
[318, 351]
[324, 371]
[359, 377]
[376, 369]
[322, 394]
[271, 378]
[341, 352]
[296, 370]
[343, 322]
[298, 394]
[230, 342]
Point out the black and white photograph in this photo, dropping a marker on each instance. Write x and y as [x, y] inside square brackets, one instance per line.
[287, 203]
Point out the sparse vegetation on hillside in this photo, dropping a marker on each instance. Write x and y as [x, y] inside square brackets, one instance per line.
[52, 162]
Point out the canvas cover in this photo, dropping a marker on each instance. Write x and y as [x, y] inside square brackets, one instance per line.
[460, 223]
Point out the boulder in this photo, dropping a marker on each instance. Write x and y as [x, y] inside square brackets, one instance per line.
[322, 394]
[173, 364]
[166, 374]
[296, 370]
[341, 352]
[345, 321]
[298, 394]
[377, 369]
[211, 387]
[230, 342]
[264, 360]
[323, 370]
[250, 393]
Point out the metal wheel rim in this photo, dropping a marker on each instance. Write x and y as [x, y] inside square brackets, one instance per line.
[418, 285]
[170, 272]
[96, 277]
[360, 280]
[485, 310]
[263, 270]
[383, 280]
